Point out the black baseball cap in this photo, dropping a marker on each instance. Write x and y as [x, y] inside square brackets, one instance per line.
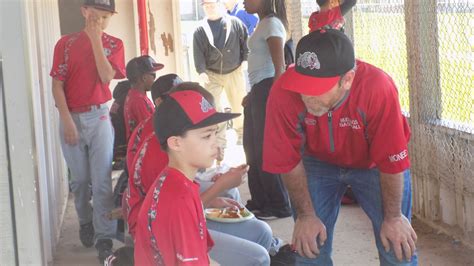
[185, 110]
[321, 58]
[106, 5]
[164, 84]
[141, 65]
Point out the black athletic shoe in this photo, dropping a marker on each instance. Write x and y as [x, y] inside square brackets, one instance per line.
[268, 216]
[86, 234]
[104, 249]
[285, 257]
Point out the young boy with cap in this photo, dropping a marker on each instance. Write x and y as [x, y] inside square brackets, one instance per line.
[160, 87]
[141, 73]
[344, 114]
[150, 160]
[83, 65]
[171, 224]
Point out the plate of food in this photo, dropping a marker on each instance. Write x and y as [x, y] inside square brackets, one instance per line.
[228, 215]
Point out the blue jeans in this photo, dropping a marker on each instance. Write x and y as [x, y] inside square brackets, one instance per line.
[231, 250]
[327, 184]
[90, 162]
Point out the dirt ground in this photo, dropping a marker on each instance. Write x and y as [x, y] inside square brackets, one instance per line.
[353, 240]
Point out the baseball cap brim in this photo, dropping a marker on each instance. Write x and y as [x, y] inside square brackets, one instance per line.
[215, 119]
[305, 84]
[101, 8]
[157, 66]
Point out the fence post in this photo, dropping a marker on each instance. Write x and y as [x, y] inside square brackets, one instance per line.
[425, 102]
[293, 11]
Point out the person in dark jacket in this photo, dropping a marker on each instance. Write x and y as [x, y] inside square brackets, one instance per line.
[220, 48]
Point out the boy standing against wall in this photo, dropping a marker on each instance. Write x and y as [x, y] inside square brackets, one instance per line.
[84, 63]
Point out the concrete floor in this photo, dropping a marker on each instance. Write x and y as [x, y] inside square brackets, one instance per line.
[353, 241]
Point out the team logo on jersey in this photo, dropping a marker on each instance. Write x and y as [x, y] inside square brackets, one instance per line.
[309, 60]
[310, 121]
[107, 52]
[205, 106]
[398, 157]
[348, 122]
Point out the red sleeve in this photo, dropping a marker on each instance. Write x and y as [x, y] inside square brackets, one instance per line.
[59, 67]
[141, 110]
[388, 129]
[187, 237]
[284, 132]
[134, 142]
[312, 21]
[317, 20]
[117, 60]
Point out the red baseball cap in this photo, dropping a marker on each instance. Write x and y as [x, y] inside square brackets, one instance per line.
[322, 57]
[185, 110]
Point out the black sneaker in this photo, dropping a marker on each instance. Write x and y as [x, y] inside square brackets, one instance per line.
[86, 234]
[268, 216]
[104, 249]
[251, 206]
[285, 256]
[265, 216]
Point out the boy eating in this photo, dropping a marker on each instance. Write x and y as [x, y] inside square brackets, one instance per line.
[171, 227]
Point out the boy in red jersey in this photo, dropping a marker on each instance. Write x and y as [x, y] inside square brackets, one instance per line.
[138, 107]
[171, 227]
[83, 65]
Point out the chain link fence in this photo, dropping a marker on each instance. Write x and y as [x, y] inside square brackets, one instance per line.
[379, 38]
[427, 47]
[455, 21]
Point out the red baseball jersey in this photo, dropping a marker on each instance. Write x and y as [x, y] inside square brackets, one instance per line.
[365, 130]
[140, 133]
[137, 108]
[171, 227]
[147, 165]
[74, 64]
[331, 18]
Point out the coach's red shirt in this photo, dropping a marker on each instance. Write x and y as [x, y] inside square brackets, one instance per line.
[365, 130]
[171, 227]
[74, 64]
[331, 18]
[137, 108]
[140, 133]
[147, 165]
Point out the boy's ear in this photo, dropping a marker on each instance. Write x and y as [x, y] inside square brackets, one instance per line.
[84, 11]
[174, 143]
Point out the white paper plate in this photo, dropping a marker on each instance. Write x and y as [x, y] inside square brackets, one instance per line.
[227, 220]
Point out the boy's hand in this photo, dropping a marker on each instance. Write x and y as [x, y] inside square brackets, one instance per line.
[71, 136]
[221, 202]
[233, 178]
[93, 26]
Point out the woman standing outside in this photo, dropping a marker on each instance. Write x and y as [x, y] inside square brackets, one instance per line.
[269, 198]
